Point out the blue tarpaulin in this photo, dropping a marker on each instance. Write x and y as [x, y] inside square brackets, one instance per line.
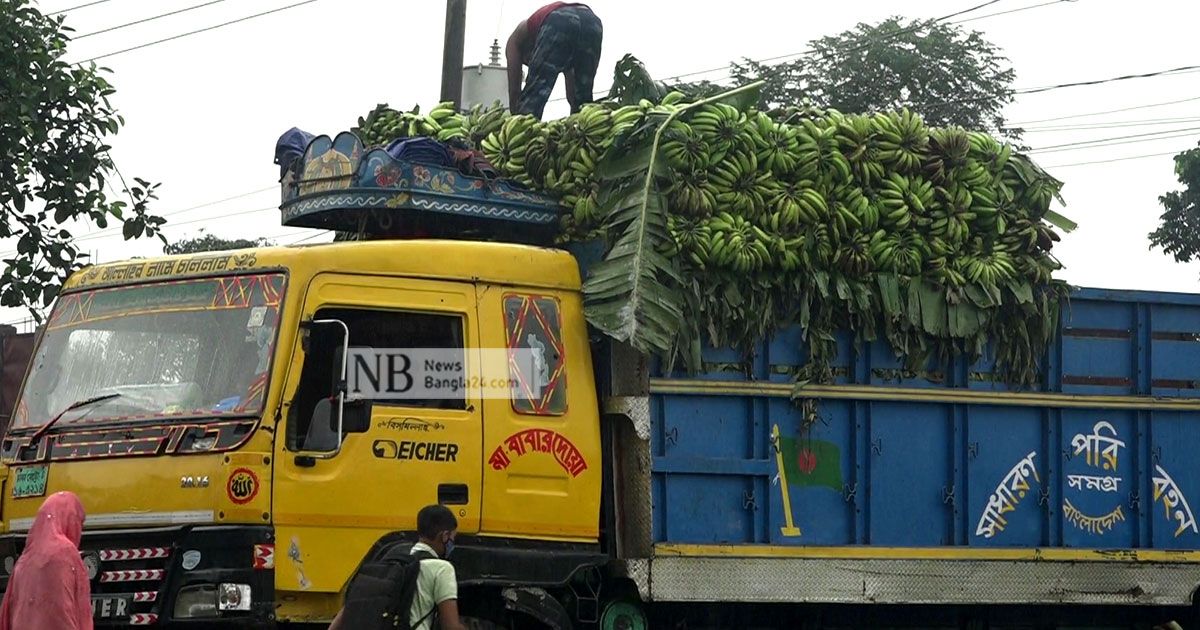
[290, 146]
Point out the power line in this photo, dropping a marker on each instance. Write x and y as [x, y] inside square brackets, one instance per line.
[1110, 111]
[1144, 75]
[197, 31]
[1136, 135]
[1038, 90]
[1018, 10]
[1111, 125]
[113, 230]
[1119, 140]
[149, 19]
[903, 31]
[82, 6]
[311, 237]
[1120, 159]
[219, 201]
[216, 218]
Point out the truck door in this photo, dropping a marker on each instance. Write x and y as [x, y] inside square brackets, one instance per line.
[333, 499]
[541, 442]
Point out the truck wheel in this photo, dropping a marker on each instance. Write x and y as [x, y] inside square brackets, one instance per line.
[623, 615]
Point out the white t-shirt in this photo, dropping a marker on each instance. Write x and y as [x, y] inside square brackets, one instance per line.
[436, 583]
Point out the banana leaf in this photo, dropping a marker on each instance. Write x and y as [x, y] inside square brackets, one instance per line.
[632, 83]
[1059, 221]
[889, 293]
[636, 294]
[933, 309]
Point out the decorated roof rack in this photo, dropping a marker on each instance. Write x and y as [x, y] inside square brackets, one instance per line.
[340, 185]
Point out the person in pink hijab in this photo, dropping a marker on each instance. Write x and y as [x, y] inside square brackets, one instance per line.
[49, 587]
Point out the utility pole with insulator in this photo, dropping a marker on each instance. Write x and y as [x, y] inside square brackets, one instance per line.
[452, 53]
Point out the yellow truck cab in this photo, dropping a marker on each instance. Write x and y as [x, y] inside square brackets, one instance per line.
[207, 452]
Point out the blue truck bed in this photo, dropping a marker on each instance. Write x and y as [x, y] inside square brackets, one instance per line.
[937, 487]
[1101, 457]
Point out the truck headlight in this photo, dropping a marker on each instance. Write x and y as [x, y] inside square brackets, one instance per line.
[234, 597]
[198, 600]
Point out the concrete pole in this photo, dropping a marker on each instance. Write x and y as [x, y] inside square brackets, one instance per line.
[452, 53]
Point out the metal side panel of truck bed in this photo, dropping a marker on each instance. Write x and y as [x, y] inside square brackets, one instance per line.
[933, 487]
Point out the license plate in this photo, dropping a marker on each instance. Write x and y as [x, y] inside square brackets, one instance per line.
[111, 606]
[30, 481]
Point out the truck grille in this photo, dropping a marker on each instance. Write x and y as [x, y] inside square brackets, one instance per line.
[128, 583]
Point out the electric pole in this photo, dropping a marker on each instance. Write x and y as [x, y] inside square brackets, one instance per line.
[452, 52]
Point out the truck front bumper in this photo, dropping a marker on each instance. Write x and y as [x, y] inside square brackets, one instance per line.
[221, 576]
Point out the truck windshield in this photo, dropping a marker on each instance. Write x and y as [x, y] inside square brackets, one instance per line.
[183, 349]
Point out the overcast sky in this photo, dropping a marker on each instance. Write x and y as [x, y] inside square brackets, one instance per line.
[204, 111]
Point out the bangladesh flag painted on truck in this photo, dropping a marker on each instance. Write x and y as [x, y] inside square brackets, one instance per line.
[808, 462]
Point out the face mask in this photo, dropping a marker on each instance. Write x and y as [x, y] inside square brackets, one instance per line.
[449, 548]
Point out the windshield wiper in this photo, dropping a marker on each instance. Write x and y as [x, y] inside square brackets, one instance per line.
[75, 405]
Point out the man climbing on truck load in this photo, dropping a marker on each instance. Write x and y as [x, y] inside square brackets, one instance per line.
[417, 580]
[559, 38]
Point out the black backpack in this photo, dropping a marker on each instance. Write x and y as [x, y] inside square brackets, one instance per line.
[382, 591]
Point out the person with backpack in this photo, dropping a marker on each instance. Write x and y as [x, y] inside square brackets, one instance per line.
[559, 38]
[408, 588]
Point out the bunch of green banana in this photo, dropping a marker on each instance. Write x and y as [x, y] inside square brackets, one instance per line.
[903, 200]
[626, 118]
[586, 210]
[948, 150]
[946, 271]
[857, 141]
[787, 254]
[506, 148]
[743, 187]
[690, 237]
[723, 127]
[950, 220]
[1037, 268]
[594, 124]
[819, 244]
[541, 156]
[683, 147]
[989, 269]
[482, 122]
[776, 145]
[859, 204]
[989, 151]
[692, 193]
[574, 168]
[903, 254]
[448, 122]
[854, 257]
[843, 223]
[818, 157]
[738, 244]
[903, 140]
[794, 205]
[381, 125]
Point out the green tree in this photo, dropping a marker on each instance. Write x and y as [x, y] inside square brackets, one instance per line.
[947, 74]
[55, 121]
[1178, 232]
[211, 243]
